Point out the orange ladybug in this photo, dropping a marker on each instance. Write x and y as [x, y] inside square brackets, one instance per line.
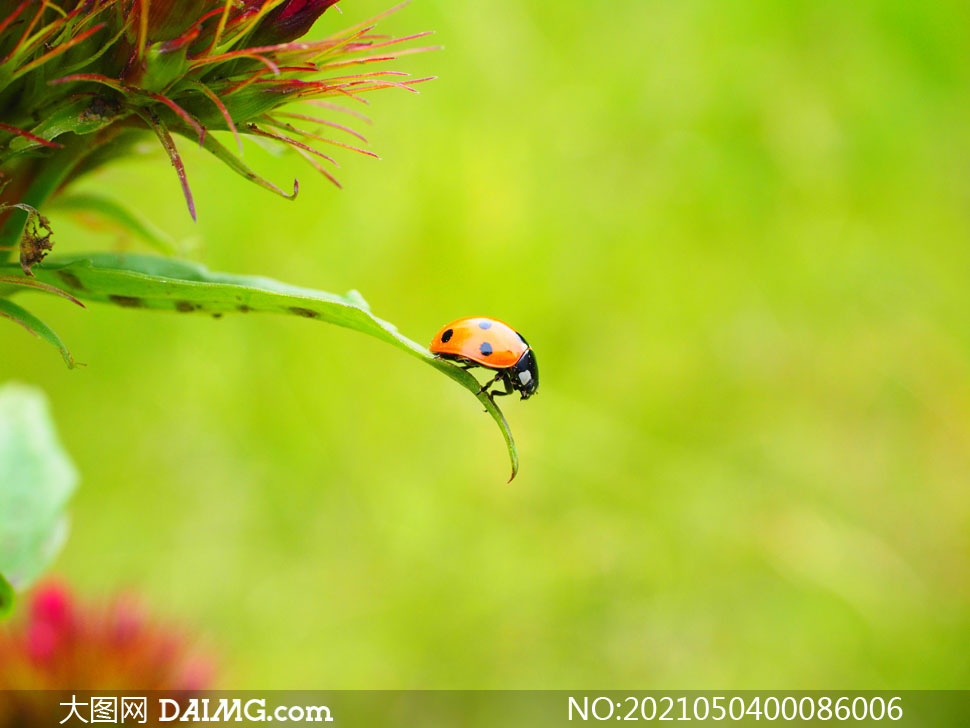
[481, 341]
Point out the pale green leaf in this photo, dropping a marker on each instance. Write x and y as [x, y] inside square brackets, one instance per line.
[37, 480]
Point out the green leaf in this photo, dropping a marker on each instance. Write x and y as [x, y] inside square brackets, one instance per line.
[118, 215]
[6, 597]
[37, 480]
[149, 282]
[81, 116]
[10, 310]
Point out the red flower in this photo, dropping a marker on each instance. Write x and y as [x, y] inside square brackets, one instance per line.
[63, 644]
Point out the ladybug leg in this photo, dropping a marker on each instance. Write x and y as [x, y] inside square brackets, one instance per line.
[509, 389]
[489, 383]
[506, 379]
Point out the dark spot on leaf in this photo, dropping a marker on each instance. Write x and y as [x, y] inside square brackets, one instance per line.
[217, 315]
[184, 306]
[305, 312]
[485, 348]
[70, 280]
[127, 301]
[101, 108]
[242, 308]
[445, 337]
[484, 324]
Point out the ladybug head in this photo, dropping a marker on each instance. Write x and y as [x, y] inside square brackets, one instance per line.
[525, 375]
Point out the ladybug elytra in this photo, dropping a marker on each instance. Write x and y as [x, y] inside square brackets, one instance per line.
[486, 342]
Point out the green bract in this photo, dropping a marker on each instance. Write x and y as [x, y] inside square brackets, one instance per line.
[37, 480]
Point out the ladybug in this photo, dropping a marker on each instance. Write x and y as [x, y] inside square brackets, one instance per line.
[481, 341]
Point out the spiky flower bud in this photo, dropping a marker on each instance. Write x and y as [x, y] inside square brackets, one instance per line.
[79, 81]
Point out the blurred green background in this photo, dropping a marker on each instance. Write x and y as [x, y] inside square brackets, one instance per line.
[738, 237]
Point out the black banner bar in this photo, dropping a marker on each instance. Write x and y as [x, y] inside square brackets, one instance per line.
[492, 709]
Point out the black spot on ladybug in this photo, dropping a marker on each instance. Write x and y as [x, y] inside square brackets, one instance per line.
[305, 312]
[184, 306]
[445, 337]
[484, 324]
[485, 348]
